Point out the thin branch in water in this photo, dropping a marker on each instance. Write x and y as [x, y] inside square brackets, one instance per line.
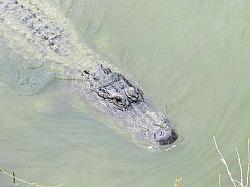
[234, 181]
[248, 161]
[224, 162]
[239, 162]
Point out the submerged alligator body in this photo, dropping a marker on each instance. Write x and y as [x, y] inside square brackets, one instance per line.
[33, 28]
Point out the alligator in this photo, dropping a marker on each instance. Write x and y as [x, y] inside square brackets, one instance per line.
[34, 28]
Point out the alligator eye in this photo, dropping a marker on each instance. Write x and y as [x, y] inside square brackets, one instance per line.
[51, 43]
[86, 72]
[107, 71]
[118, 99]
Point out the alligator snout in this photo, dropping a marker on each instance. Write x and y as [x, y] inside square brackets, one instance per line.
[165, 136]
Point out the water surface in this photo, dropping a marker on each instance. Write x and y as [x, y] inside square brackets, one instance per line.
[191, 58]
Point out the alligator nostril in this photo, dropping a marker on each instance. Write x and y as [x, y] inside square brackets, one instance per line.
[169, 140]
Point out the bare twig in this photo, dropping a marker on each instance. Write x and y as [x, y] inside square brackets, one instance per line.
[224, 162]
[239, 162]
[248, 161]
[235, 182]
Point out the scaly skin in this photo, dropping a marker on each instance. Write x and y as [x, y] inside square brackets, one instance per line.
[31, 31]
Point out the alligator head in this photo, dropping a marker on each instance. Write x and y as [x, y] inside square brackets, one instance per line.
[127, 104]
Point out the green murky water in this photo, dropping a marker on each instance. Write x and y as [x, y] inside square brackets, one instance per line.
[191, 56]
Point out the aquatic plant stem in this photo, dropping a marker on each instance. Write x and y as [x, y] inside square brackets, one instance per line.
[14, 177]
[219, 180]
